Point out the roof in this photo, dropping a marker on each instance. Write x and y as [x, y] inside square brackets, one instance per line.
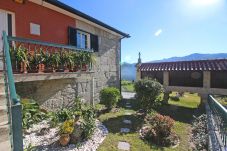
[197, 65]
[77, 12]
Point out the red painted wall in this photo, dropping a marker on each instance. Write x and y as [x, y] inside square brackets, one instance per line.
[53, 25]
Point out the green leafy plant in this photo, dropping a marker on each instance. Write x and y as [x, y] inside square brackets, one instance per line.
[31, 113]
[21, 55]
[109, 97]
[147, 92]
[88, 123]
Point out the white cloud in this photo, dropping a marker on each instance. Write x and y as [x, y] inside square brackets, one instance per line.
[127, 58]
[158, 32]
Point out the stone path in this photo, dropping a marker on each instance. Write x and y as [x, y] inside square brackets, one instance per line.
[122, 145]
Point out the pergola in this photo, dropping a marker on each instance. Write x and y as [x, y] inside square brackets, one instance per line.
[201, 76]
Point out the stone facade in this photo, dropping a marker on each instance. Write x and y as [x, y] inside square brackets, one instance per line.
[56, 93]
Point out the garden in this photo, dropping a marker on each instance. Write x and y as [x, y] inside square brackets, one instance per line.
[33, 59]
[140, 123]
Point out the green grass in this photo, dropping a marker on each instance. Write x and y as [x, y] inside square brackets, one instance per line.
[127, 86]
[181, 112]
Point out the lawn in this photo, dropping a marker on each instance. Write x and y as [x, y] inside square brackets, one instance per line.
[127, 86]
[181, 111]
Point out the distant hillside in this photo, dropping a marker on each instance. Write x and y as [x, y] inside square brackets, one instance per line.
[194, 56]
[128, 71]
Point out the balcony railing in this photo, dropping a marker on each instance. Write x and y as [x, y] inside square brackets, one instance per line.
[219, 120]
[35, 56]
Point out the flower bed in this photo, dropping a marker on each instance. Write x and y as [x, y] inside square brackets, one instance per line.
[49, 141]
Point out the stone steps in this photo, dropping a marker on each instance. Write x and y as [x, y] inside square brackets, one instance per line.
[5, 146]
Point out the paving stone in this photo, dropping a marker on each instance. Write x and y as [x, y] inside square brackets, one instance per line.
[128, 103]
[123, 146]
[128, 106]
[127, 121]
[128, 113]
[125, 130]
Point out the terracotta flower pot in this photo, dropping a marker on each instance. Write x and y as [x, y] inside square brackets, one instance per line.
[64, 139]
[84, 67]
[23, 68]
[41, 68]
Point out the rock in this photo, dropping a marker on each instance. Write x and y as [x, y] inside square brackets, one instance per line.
[125, 130]
[44, 131]
[76, 136]
[123, 146]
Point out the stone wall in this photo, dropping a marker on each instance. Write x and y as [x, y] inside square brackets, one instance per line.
[107, 68]
[54, 94]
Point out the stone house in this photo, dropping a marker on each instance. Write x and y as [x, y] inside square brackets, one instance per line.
[54, 22]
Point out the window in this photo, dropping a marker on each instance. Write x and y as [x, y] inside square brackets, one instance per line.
[34, 29]
[82, 39]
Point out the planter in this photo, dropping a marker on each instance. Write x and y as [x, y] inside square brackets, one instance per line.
[84, 67]
[41, 68]
[23, 67]
[61, 68]
[49, 69]
[33, 70]
[64, 139]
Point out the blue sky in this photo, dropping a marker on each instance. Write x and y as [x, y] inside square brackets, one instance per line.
[163, 28]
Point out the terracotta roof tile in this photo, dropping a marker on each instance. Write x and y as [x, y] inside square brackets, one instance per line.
[197, 65]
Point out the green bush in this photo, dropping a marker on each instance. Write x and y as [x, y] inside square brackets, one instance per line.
[88, 124]
[159, 130]
[147, 92]
[31, 113]
[109, 97]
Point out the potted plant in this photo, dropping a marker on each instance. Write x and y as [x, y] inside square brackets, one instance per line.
[70, 61]
[21, 54]
[76, 61]
[87, 59]
[35, 60]
[48, 62]
[61, 62]
[65, 130]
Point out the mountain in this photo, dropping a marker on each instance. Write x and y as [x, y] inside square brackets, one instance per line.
[194, 56]
[128, 71]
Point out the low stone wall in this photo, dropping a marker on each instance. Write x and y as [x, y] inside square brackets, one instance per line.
[55, 94]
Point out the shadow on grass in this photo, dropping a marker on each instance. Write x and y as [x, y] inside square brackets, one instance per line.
[115, 124]
[178, 113]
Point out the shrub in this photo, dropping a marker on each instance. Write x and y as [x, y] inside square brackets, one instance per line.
[31, 113]
[109, 97]
[147, 92]
[159, 130]
[88, 124]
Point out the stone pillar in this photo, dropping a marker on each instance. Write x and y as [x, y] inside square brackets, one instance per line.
[166, 97]
[203, 100]
[206, 79]
[165, 78]
[138, 73]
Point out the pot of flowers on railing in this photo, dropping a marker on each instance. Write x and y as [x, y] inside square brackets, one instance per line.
[48, 62]
[35, 62]
[65, 130]
[87, 59]
[76, 62]
[61, 62]
[22, 63]
[70, 61]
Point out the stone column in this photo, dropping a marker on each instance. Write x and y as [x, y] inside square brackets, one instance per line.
[165, 78]
[138, 73]
[206, 79]
[203, 100]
